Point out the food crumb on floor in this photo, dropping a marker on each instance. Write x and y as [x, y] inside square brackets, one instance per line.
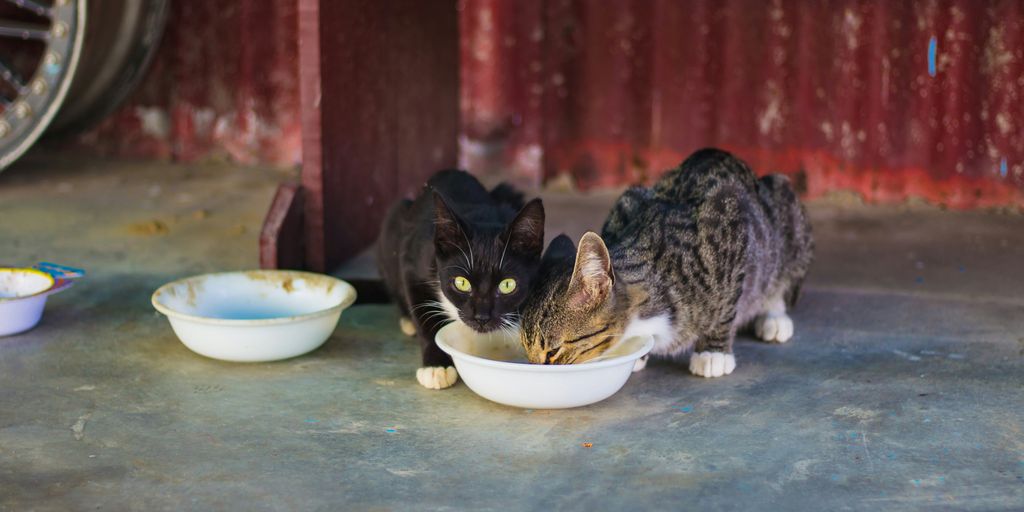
[149, 227]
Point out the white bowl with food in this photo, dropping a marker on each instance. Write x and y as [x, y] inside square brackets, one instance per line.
[494, 366]
[23, 293]
[254, 316]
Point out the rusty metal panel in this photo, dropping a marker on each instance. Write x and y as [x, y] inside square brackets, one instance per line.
[224, 84]
[843, 94]
[379, 107]
[386, 117]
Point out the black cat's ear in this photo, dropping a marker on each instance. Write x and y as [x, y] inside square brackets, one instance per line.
[449, 236]
[592, 276]
[561, 248]
[525, 234]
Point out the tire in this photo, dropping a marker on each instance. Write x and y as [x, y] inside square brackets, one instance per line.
[120, 42]
[82, 57]
[44, 43]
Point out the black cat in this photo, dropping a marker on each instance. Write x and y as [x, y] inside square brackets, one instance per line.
[459, 253]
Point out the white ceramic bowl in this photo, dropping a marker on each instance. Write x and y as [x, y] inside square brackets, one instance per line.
[23, 293]
[261, 315]
[494, 366]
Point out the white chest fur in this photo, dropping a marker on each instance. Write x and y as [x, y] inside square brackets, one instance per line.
[449, 308]
[658, 327]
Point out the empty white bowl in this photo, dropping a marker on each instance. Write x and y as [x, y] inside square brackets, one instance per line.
[260, 315]
[494, 366]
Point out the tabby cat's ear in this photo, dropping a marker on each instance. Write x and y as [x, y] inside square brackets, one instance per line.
[525, 234]
[449, 236]
[592, 277]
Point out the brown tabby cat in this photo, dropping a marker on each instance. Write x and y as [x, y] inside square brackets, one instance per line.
[706, 250]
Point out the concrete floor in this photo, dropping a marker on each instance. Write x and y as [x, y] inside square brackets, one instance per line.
[903, 388]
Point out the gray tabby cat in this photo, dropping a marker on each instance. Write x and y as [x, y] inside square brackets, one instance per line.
[704, 252]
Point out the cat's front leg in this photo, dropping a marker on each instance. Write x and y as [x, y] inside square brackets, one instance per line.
[712, 357]
[408, 328]
[774, 325]
[437, 370]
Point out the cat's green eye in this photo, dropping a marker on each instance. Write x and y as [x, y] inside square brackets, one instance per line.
[507, 286]
[462, 284]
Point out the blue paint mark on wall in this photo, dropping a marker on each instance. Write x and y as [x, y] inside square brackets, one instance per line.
[933, 46]
[1002, 167]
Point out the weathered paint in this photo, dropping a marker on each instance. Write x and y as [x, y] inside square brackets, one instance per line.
[380, 114]
[837, 93]
[223, 85]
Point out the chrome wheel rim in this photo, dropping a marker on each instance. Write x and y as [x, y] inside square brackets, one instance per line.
[29, 100]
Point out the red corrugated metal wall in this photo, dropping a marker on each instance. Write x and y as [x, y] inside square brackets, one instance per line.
[224, 85]
[835, 92]
[838, 93]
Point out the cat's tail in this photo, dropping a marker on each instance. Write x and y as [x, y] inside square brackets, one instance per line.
[508, 195]
[370, 290]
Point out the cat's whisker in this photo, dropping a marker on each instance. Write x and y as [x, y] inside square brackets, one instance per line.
[502, 260]
[459, 267]
[435, 314]
[429, 304]
[444, 321]
[510, 323]
[470, 247]
[468, 258]
[509, 331]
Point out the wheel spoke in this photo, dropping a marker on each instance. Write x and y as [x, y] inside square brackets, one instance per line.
[11, 77]
[32, 5]
[22, 30]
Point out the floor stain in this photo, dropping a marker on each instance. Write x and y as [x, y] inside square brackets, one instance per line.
[149, 228]
[78, 428]
[206, 389]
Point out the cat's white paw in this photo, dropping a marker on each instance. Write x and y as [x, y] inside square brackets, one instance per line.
[640, 364]
[407, 327]
[774, 328]
[712, 364]
[437, 377]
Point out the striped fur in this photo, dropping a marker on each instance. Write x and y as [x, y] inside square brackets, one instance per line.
[710, 246]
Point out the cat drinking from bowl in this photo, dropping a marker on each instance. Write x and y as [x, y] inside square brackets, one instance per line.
[708, 249]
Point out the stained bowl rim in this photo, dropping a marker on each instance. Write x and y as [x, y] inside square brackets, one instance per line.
[347, 300]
